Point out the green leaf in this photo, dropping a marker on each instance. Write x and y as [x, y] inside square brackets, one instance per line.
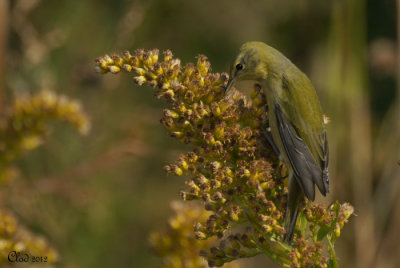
[303, 224]
[324, 230]
[331, 264]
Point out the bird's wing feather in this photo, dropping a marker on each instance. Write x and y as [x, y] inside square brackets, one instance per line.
[306, 168]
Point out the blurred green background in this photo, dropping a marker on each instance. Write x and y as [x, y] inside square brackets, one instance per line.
[97, 198]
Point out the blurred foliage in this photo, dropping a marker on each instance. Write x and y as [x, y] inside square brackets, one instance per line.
[96, 198]
[25, 126]
[21, 130]
[17, 242]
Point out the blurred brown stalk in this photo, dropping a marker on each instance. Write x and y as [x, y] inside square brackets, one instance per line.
[357, 149]
[3, 44]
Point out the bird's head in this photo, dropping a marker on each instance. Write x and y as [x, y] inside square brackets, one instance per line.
[249, 64]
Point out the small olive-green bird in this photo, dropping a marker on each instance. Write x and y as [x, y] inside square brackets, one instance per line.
[297, 130]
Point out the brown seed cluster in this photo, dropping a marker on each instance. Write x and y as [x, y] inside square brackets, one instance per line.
[306, 254]
[232, 169]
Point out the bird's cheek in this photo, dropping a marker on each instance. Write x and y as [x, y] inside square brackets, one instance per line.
[244, 76]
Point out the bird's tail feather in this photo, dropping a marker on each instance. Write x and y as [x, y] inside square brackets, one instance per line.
[290, 224]
[292, 210]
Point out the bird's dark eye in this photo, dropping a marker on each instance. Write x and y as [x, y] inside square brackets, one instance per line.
[239, 67]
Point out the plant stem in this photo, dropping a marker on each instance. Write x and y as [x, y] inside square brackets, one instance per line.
[332, 252]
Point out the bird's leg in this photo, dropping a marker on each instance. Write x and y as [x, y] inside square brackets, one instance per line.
[280, 172]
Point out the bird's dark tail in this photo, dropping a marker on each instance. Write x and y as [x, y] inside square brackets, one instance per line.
[292, 210]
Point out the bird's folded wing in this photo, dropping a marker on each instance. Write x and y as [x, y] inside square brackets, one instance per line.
[307, 170]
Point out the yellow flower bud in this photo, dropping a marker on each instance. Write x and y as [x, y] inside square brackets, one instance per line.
[126, 56]
[266, 228]
[108, 60]
[176, 134]
[167, 55]
[154, 56]
[337, 230]
[170, 113]
[127, 68]
[215, 109]
[117, 60]
[140, 80]
[114, 69]
[200, 235]
[233, 216]
[169, 94]
[139, 71]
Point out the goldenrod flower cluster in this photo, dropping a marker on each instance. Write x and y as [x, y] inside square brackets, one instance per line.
[25, 126]
[177, 246]
[232, 169]
[18, 245]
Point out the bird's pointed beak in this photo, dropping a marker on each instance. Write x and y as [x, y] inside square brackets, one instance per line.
[231, 81]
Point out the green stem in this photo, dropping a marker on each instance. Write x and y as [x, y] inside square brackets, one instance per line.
[332, 253]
